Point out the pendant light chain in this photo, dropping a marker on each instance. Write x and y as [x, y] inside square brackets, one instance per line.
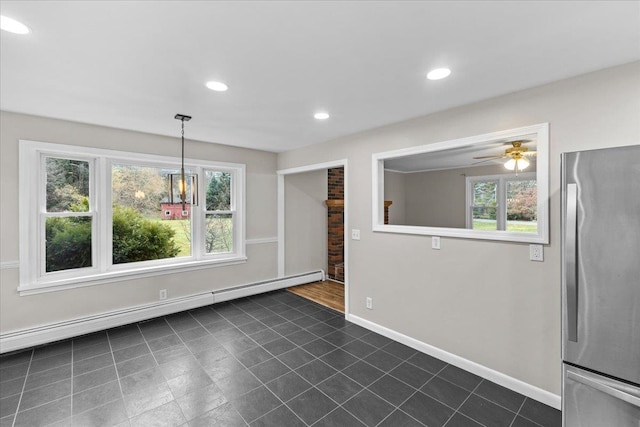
[183, 181]
[183, 178]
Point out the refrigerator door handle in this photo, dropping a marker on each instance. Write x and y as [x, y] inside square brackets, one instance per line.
[570, 267]
[610, 389]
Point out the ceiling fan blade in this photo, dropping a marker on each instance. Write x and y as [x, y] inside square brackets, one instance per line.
[483, 161]
[529, 153]
[489, 157]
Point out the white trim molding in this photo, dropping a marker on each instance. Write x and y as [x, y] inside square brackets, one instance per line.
[541, 134]
[140, 273]
[262, 240]
[504, 380]
[34, 276]
[5, 265]
[313, 167]
[268, 286]
[16, 340]
[281, 217]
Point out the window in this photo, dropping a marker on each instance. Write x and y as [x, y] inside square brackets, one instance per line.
[502, 202]
[68, 215]
[139, 233]
[454, 158]
[219, 213]
[95, 215]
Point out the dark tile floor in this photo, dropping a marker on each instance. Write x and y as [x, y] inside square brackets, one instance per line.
[270, 360]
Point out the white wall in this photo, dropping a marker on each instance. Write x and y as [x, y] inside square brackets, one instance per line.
[438, 198]
[481, 300]
[305, 222]
[20, 312]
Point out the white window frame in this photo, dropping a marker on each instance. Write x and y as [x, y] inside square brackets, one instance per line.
[32, 208]
[540, 132]
[232, 209]
[501, 195]
[43, 215]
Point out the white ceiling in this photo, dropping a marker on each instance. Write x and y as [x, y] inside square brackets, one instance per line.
[135, 64]
[460, 157]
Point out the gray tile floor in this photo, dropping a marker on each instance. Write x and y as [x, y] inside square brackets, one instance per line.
[271, 360]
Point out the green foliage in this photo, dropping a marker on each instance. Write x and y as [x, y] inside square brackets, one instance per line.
[68, 243]
[69, 239]
[67, 183]
[137, 191]
[522, 201]
[219, 191]
[138, 239]
[219, 233]
[139, 187]
[485, 200]
[484, 193]
[134, 239]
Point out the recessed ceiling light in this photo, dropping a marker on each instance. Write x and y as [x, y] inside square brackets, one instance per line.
[217, 86]
[13, 26]
[438, 73]
[321, 116]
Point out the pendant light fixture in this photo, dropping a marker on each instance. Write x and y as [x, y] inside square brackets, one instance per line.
[182, 186]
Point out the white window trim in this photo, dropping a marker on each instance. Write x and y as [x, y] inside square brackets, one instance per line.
[541, 132]
[32, 280]
[232, 210]
[501, 196]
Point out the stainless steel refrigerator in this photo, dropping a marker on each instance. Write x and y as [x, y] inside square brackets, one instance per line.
[601, 287]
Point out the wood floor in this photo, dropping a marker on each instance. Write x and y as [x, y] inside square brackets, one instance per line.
[328, 293]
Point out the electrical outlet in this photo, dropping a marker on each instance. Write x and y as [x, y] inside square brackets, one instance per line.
[369, 303]
[163, 294]
[355, 234]
[536, 252]
[435, 242]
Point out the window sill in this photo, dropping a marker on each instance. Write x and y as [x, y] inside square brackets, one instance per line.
[122, 275]
[501, 235]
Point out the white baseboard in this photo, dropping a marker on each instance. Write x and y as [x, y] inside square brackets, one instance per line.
[504, 380]
[30, 337]
[45, 334]
[267, 286]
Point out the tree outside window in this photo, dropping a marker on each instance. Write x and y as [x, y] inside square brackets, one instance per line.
[68, 217]
[91, 215]
[503, 202]
[139, 231]
[219, 213]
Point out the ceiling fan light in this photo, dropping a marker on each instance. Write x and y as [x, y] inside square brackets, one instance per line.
[510, 164]
[517, 164]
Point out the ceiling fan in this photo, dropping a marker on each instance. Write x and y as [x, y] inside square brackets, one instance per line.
[517, 155]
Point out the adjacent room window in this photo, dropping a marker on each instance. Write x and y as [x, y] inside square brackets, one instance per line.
[484, 205]
[92, 214]
[503, 202]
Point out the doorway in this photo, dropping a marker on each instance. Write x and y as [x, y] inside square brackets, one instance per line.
[298, 198]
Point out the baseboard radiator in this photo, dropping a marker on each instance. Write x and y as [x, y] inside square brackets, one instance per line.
[16, 340]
